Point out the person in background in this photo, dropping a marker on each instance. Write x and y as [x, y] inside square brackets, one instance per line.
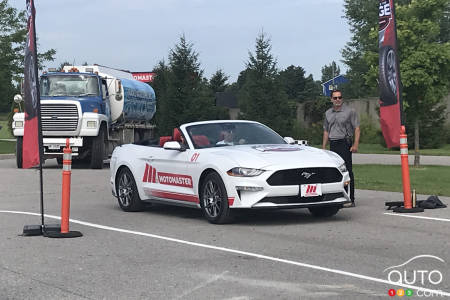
[341, 128]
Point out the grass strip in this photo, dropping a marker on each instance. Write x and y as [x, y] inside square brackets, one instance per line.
[427, 179]
[379, 149]
[7, 147]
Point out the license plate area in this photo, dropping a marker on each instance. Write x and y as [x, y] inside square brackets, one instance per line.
[311, 190]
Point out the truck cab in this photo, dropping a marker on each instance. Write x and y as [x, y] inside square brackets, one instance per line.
[86, 104]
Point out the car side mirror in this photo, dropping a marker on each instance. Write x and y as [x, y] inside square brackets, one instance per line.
[174, 145]
[289, 140]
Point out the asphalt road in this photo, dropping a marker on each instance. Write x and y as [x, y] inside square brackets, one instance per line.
[173, 253]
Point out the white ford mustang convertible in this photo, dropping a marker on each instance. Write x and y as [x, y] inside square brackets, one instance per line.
[221, 166]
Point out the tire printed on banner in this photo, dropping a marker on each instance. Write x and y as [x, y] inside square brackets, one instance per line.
[388, 75]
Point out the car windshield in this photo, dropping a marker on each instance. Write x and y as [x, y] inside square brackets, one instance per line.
[69, 85]
[232, 134]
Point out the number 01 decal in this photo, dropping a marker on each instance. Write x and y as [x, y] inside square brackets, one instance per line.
[195, 156]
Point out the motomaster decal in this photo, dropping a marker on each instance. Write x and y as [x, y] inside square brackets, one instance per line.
[151, 175]
[174, 179]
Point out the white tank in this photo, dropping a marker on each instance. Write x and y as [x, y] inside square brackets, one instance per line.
[130, 100]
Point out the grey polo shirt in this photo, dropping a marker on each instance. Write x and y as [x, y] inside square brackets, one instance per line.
[340, 123]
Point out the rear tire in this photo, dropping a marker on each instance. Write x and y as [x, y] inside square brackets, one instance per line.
[324, 212]
[19, 153]
[98, 150]
[214, 200]
[126, 191]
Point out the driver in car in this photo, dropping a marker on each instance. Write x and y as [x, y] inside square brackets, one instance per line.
[228, 137]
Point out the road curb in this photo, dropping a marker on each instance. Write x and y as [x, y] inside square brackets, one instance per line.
[7, 156]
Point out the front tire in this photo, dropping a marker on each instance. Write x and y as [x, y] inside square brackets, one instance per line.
[98, 150]
[19, 153]
[126, 191]
[214, 200]
[324, 212]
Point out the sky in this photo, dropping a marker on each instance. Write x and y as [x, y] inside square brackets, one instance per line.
[136, 34]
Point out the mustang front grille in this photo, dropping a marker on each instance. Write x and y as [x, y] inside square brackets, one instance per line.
[305, 176]
[59, 117]
[300, 200]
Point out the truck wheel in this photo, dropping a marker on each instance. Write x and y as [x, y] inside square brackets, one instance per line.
[19, 146]
[98, 150]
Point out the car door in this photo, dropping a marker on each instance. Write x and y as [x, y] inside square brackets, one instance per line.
[170, 178]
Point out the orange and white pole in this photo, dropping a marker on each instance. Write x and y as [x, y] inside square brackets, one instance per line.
[405, 169]
[65, 199]
[65, 202]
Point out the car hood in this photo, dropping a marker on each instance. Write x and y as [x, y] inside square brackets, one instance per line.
[276, 156]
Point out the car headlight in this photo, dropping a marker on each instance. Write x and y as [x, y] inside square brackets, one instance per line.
[245, 172]
[342, 168]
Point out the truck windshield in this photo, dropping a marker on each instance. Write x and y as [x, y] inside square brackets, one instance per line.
[69, 85]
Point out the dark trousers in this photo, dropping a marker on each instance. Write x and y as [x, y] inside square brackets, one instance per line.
[342, 147]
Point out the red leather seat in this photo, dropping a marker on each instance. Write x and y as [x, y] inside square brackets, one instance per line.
[176, 136]
[201, 140]
[164, 139]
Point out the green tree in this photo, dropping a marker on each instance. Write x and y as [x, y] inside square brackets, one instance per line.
[362, 16]
[11, 35]
[424, 53]
[261, 97]
[330, 71]
[298, 87]
[182, 92]
[12, 46]
[313, 88]
[218, 82]
[425, 69]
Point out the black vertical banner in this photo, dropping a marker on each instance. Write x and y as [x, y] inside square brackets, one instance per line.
[389, 75]
[32, 138]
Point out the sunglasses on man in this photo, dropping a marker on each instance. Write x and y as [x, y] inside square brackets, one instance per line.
[338, 97]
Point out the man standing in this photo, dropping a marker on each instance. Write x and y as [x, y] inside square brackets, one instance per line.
[341, 127]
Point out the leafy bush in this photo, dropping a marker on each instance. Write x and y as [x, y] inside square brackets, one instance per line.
[446, 134]
[370, 134]
[316, 109]
[312, 134]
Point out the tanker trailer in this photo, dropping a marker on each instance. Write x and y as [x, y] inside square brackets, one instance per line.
[97, 107]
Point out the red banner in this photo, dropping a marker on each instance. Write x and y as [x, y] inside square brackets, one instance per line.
[32, 137]
[389, 75]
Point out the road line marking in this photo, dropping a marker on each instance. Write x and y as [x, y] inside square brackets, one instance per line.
[229, 250]
[418, 217]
